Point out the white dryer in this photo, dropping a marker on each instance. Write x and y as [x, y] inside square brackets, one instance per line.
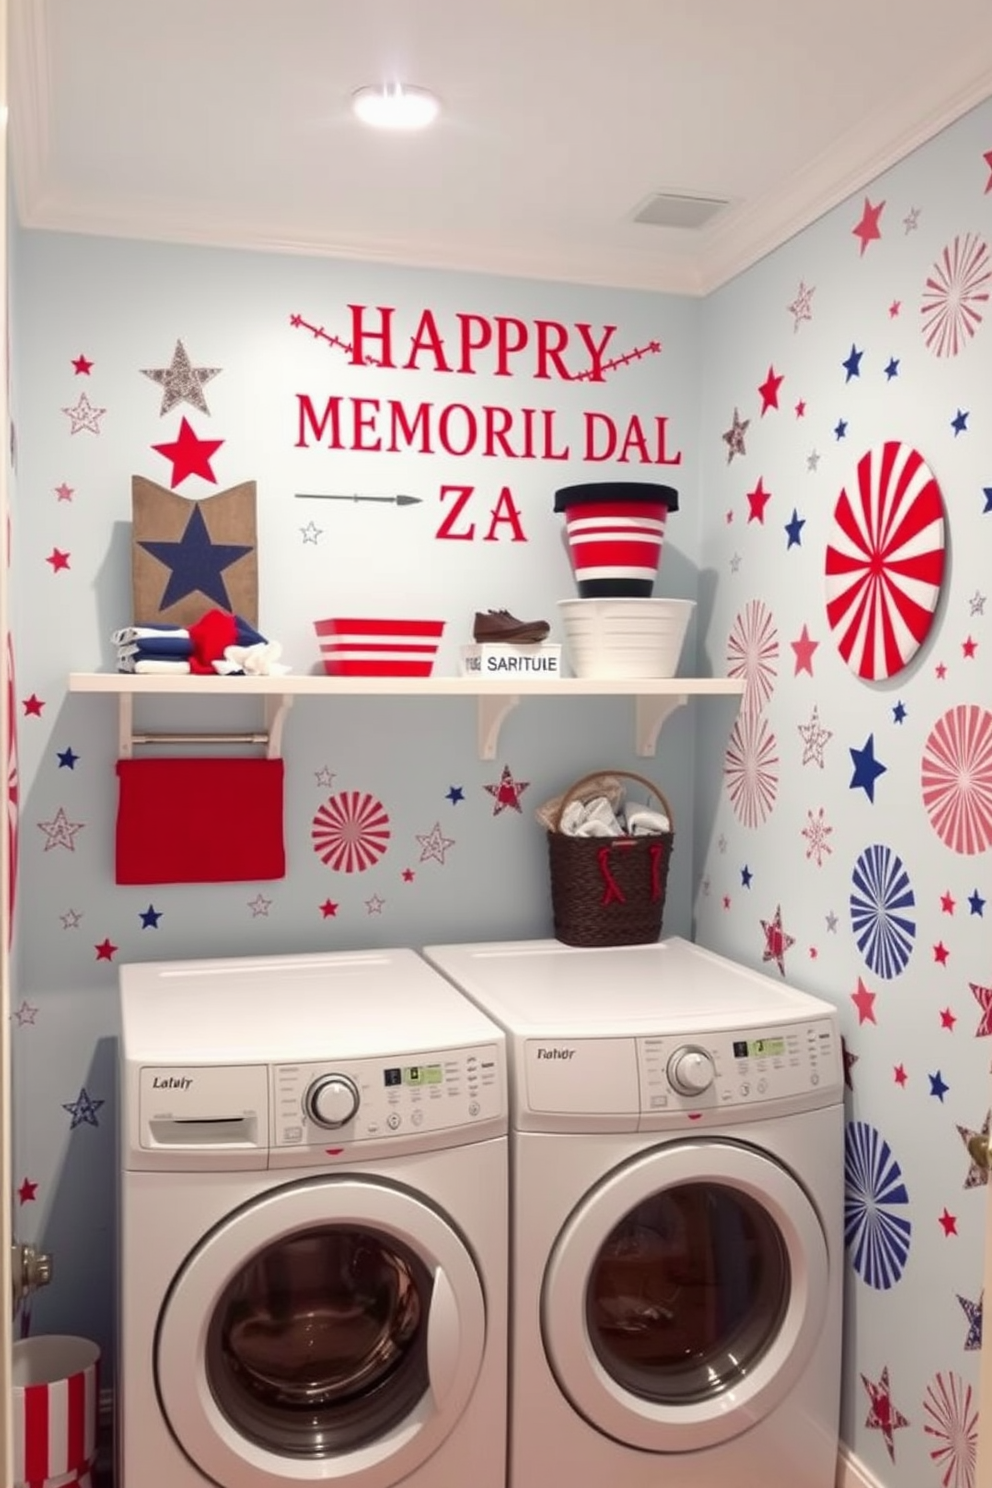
[676, 1216]
[313, 1226]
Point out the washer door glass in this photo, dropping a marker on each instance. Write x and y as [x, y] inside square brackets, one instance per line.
[685, 1295]
[687, 1292]
[319, 1343]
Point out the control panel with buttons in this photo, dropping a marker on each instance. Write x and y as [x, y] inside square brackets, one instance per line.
[739, 1068]
[370, 1099]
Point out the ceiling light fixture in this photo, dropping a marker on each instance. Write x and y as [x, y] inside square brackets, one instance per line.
[395, 106]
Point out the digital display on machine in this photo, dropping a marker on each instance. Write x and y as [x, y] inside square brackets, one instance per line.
[758, 1048]
[414, 1074]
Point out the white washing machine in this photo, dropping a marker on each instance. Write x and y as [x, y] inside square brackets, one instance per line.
[676, 1163]
[314, 1226]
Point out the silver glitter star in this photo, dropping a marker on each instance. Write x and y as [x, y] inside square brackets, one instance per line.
[976, 603]
[812, 460]
[181, 382]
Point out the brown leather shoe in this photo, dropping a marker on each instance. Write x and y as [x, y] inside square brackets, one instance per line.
[500, 625]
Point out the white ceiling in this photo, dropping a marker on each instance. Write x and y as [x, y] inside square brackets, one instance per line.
[227, 122]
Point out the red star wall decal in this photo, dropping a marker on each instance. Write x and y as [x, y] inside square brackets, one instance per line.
[32, 706]
[189, 455]
[968, 648]
[408, 875]
[947, 903]
[804, 648]
[948, 1222]
[82, 366]
[984, 997]
[106, 951]
[864, 1001]
[883, 1415]
[777, 941]
[58, 560]
[868, 229]
[328, 909]
[507, 792]
[757, 500]
[940, 953]
[947, 1018]
[27, 1192]
[900, 1076]
[769, 390]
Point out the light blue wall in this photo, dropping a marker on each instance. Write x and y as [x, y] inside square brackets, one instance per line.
[918, 1051]
[123, 306]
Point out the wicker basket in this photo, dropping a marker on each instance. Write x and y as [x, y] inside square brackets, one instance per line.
[608, 891]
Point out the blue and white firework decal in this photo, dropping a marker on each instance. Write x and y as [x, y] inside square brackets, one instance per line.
[881, 900]
[876, 1230]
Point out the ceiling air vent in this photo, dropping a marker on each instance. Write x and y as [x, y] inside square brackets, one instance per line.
[671, 210]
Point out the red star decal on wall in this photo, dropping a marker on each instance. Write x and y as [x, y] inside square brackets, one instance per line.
[968, 648]
[106, 951]
[757, 500]
[32, 706]
[984, 996]
[947, 903]
[189, 455]
[900, 1076]
[947, 1018]
[864, 1001]
[940, 953]
[507, 792]
[328, 909]
[81, 366]
[408, 875]
[27, 1192]
[804, 648]
[58, 560]
[777, 941]
[883, 1415]
[868, 229]
[769, 390]
[940, 671]
[948, 1223]
[801, 408]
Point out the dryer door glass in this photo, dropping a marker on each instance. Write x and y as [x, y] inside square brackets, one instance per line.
[687, 1292]
[318, 1344]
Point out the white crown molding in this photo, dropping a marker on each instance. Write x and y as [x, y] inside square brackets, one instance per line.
[29, 90]
[851, 1473]
[742, 236]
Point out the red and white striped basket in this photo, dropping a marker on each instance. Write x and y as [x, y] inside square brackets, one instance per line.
[56, 1391]
[378, 648]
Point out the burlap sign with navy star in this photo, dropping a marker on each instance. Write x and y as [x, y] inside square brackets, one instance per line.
[188, 557]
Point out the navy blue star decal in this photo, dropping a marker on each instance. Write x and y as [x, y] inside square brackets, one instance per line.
[976, 904]
[987, 492]
[794, 529]
[67, 758]
[196, 563]
[892, 368]
[840, 429]
[150, 917]
[866, 768]
[82, 1110]
[898, 712]
[853, 364]
[746, 877]
[959, 422]
[455, 794]
[938, 1087]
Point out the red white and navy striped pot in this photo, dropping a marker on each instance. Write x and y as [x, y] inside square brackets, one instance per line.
[56, 1391]
[378, 648]
[615, 533]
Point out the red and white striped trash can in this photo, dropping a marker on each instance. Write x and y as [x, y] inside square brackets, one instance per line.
[56, 1389]
[615, 532]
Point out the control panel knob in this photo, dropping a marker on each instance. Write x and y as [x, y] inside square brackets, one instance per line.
[691, 1071]
[332, 1100]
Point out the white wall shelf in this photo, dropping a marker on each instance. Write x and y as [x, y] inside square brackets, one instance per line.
[496, 697]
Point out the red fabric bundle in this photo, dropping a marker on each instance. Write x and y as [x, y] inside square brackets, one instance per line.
[199, 820]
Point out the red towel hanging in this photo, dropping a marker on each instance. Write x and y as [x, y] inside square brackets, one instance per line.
[199, 820]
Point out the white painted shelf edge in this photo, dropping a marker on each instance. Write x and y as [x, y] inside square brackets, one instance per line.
[496, 697]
